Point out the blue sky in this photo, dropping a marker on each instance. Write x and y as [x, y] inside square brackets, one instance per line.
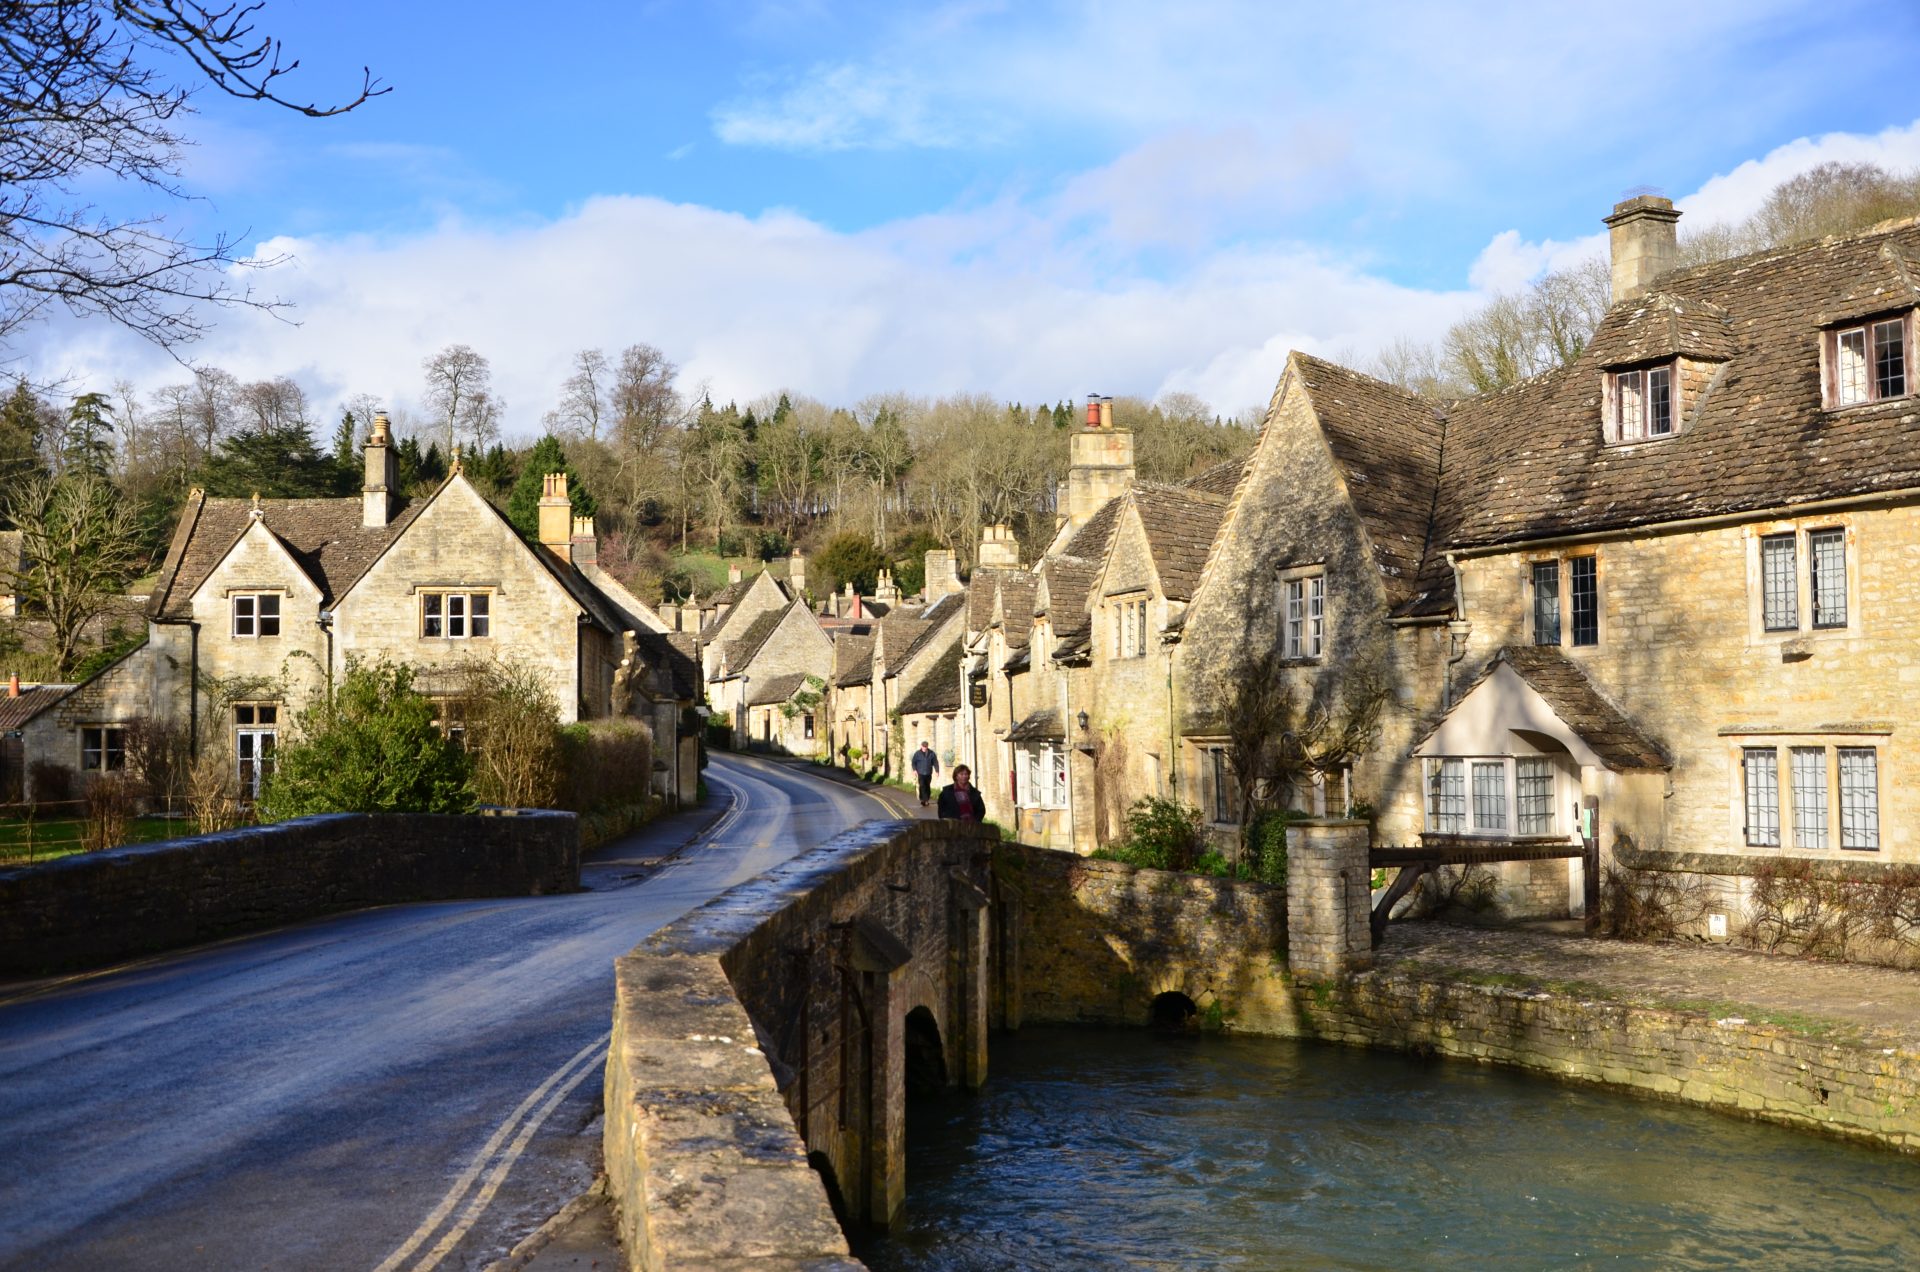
[1032, 200]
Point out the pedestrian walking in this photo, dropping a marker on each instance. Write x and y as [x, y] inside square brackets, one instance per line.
[925, 765]
[962, 801]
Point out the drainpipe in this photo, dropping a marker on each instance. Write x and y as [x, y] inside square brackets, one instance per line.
[1173, 729]
[325, 624]
[193, 689]
[1458, 630]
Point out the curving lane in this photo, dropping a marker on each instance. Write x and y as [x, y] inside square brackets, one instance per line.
[410, 1087]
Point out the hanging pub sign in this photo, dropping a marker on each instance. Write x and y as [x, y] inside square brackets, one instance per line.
[977, 693]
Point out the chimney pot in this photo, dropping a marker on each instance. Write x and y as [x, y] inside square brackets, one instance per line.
[13, 685]
[1093, 410]
[556, 516]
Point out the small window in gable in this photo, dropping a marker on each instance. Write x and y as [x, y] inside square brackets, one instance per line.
[1640, 404]
[1869, 362]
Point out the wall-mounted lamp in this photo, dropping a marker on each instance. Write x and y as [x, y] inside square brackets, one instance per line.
[1082, 718]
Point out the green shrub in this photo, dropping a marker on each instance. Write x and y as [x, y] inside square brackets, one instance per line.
[1162, 834]
[605, 764]
[1266, 855]
[372, 747]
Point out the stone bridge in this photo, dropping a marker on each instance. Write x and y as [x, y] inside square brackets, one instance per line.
[776, 1031]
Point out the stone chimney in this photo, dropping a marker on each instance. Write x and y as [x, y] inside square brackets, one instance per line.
[1100, 464]
[797, 572]
[998, 549]
[556, 516]
[884, 591]
[1644, 243]
[383, 475]
[733, 573]
[586, 544]
[943, 574]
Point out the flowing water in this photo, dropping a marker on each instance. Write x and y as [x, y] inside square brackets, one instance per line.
[1124, 1149]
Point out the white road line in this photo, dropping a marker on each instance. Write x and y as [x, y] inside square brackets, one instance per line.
[480, 1159]
[484, 1197]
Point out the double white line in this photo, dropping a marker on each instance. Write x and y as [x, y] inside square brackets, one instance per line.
[525, 1120]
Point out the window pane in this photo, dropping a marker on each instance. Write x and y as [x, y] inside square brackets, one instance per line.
[1296, 618]
[478, 615]
[115, 741]
[1446, 797]
[1827, 559]
[430, 622]
[90, 749]
[456, 614]
[243, 715]
[1659, 402]
[1586, 600]
[1780, 603]
[1809, 796]
[1059, 777]
[1761, 767]
[1889, 359]
[1850, 367]
[269, 607]
[1490, 796]
[1859, 797]
[1630, 402]
[1546, 602]
[1533, 795]
[1316, 617]
[243, 616]
[1142, 621]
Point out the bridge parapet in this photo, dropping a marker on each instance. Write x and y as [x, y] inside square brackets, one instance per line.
[763, 1044]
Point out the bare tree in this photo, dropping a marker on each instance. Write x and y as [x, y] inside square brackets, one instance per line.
[648, 416]
[583, 398]
[460, 391]
[268, 405]
[86, 103]
[79, 545]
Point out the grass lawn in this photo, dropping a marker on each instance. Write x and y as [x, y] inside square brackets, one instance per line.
[60, 836]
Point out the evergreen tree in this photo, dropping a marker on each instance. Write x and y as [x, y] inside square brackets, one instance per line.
[523, 505]
[433, 466]
[407, 462]
[86, 447]
[277, 462]
[492, 472]
[22, 419]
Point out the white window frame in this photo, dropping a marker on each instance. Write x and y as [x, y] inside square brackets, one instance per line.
[1810, 617]
[1303, 615]
[250, 617]
[468, 611]
[1504, 823]
[1042, 771]
[1629, 400]
[1845, 384]
[256, 734]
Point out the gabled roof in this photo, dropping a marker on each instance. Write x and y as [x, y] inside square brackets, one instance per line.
[742, 648]
[325, 537]
[776, 689]
[1660, 325]
[983, 589]
[939, 688]
[1589, 714]
[1221, 479]
[1387, 443]
[1180, 525]
[852, 660]
[1534, 462]
[934, 617]
[1017, 590]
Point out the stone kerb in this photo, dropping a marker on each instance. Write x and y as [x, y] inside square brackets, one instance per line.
[96, 908]
[705, 1162]
[1328, 934]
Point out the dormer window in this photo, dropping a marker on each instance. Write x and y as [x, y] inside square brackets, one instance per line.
[1640, 404]
[1868, 363]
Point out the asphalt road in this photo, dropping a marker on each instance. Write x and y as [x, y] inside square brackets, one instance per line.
[403, 1088]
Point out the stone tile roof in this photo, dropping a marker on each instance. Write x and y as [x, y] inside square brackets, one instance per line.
[1018, 588]
[982, 588]
[1559, 680]
[934, 617]
[742, 648]
[1221, 479]
[1089, 542]
[1068, 580]
[324, 536]
[1660, 325]
[776, 689]
[1042, 726]
[1180, 525]
[15, 712]
[901, 635]
[1534, 463]
[852, 660]
[1388, 444]
[939, 688]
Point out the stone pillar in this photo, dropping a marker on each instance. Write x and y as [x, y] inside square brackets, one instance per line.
[970, 935]
[881, 961]
[1328, 935]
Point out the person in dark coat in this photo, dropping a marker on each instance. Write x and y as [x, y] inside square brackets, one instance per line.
[925, 765]
[962, 800]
